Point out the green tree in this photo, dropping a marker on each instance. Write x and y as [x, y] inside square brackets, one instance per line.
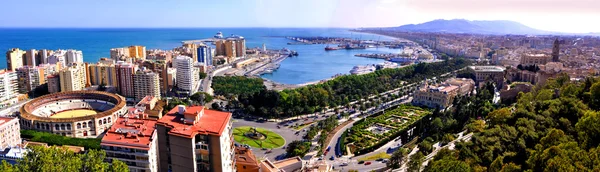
[398, 157]
[93, 160]
[118, 166]
[202, 75]
[7, 167]
[415, 162]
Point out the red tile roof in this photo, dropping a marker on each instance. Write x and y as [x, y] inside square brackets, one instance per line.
[212, 122]
[132, 132]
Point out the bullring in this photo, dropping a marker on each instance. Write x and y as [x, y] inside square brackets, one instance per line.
[81, 114]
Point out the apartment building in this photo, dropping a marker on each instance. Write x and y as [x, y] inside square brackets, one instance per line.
[146, 83]
[10, 132]
[133, 140]
[14, 58]
[195, 139]
[187, 75]
[73, 78]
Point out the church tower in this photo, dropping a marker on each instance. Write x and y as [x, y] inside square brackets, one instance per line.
[556, 51]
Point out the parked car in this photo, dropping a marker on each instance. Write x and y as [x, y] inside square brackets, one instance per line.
[385, 161]
[332, 158]
[344, 164]
[368, 163]
[380, 159]
[361, 162]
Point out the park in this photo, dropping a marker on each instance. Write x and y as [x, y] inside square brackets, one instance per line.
[257, 137]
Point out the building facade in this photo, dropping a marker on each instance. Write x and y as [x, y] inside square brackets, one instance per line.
[133, 140]
[10, 132]
[103, 73]
[74, 56]
[53, 83]
[535, 59]
[491, 73]
[14, 58]
[9, 88]
[195, 139]
[435, 96]
[204, 54]
[146, 83]
[187, 74]
[30, 78]
[125, 73]
[137, 52]
[73, 78]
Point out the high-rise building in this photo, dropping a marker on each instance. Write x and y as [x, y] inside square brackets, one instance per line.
[14, 58]
[230, 48]
[10, 133]
[42, 56]
[146, 83]
[9, 88]
[220, 47]
[204, 54]
[240, 46]
[53, 83]
[119, 54]
[58, 58]
[160, 68]
[73, 56]
[195, 139]
[133, 140]
[125, 73]
[137, 52]
[187, 74]
[30, 58]
[73, 78]
[30, 78]
[556, 51]
[103, 72]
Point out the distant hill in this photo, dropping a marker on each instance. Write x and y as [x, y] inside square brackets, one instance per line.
[474, 27]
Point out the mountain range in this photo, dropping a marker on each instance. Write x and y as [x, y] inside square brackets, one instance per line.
[496, 27]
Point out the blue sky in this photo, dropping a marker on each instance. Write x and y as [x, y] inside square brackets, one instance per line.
[553, 15]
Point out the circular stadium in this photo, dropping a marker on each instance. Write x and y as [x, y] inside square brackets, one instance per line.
[81, 114]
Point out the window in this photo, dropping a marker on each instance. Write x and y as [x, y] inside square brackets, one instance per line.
[104, 121]
[68, 126]
[56, 127]
[79, 125]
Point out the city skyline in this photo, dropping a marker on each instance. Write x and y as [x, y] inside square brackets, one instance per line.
[556, 15]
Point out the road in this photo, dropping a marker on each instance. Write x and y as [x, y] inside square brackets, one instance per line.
[287, 133]
[9, 111]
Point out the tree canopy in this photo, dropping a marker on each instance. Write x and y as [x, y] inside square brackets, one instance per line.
[42, 159]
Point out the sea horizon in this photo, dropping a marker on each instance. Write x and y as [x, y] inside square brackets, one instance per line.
[312, 64]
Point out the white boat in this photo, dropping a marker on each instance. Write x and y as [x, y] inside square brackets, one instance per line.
[359, 70]
[219, 35]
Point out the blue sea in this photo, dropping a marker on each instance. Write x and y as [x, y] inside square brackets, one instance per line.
[312, 64]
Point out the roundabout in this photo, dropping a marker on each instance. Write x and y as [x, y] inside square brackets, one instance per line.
[257, 137]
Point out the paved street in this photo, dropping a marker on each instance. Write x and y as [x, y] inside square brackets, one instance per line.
[12, 109]
[287, 133]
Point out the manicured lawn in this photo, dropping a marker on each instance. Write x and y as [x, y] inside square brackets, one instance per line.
[382, 155]
[272, 140]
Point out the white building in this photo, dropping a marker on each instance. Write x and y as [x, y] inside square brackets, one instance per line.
[9, 88]
[187, 75]
[9, 132]
[146, 83]
[74, 56]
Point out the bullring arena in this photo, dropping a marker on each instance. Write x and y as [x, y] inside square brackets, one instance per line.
[81, 114]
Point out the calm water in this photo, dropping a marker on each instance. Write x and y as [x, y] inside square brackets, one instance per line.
[313, 63]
